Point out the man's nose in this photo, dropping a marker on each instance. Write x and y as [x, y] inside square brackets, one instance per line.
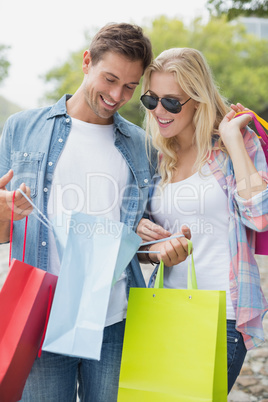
[117, 94]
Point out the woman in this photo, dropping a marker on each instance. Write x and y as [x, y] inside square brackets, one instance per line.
[212, 178]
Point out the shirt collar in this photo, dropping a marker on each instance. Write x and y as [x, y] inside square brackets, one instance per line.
[121, 124]
[60, 109]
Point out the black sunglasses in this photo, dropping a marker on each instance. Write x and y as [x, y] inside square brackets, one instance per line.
[172, 105]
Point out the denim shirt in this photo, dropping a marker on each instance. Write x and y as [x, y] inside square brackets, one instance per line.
[31, 144]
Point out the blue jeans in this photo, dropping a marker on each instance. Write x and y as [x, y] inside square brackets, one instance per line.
[236, 353]
[55, 378]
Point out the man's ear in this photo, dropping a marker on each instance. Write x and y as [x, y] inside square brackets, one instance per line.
[86, 61]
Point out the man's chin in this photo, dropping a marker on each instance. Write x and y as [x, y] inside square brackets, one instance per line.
[108, 113]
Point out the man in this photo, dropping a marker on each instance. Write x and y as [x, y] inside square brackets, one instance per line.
[81, 154]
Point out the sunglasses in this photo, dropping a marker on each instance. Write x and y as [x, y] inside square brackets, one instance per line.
[172, 105]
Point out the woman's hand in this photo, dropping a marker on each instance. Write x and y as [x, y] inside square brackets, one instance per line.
[172, 251]
[149, 231]
[230, 129]
[248, 180]
[238, 107]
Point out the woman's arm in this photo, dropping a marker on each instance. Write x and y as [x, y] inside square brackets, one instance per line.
[249, 182]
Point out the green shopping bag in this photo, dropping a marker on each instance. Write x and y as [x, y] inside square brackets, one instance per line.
[175, 346]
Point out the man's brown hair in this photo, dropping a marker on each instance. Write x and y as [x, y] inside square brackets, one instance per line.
[125, 39]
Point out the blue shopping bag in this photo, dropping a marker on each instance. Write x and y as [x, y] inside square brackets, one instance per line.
[94, 252]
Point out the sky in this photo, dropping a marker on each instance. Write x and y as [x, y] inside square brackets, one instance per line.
[41, 35]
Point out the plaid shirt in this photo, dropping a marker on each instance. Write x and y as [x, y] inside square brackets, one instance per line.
[246, 217]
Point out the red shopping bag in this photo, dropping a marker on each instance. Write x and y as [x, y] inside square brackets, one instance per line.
[261, 237]
[25, 301]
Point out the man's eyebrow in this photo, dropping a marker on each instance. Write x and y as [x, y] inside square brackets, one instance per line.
[117, 78]
[113, 75]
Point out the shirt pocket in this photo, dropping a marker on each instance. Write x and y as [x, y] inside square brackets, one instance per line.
[26, 167]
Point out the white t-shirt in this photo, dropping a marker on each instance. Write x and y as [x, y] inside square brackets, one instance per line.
[90, 177]
[200, 203]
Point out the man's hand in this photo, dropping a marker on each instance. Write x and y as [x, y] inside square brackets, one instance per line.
[22, 207]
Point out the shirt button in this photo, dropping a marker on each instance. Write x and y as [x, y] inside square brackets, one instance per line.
[209, 161]
[25, 154]
[45, 190]
[224, 187]
[60, 140]
[44, 243]
[50, 163]
[145, 180]
[67, 120]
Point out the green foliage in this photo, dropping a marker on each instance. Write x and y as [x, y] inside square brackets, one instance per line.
[65, 78]
[236, 8]
[4, 63]
[167, 33]
[239, 61]
[7, 108]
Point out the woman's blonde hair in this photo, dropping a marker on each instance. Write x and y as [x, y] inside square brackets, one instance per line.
[194, 76]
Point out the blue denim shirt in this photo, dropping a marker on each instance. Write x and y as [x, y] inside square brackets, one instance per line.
[31, 144]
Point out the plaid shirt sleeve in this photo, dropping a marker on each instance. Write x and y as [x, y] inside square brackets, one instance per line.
[254, 211]
[245, 217]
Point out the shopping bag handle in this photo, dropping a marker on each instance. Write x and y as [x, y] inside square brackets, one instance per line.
[11, 231]
[50, 298]
[43, 218]
[49, 305]
[45, 221]
[259, 122]
[191, 280]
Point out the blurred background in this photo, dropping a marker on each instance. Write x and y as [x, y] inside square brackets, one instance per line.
[41, 49]
[41, 46]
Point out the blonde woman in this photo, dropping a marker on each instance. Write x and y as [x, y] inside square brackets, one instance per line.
[212, 177]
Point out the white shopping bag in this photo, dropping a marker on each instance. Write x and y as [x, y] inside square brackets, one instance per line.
[94, 252]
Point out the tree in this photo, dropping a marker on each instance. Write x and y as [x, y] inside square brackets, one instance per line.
[65, 78]
[239, 61]
[235, 8]
[4, 63]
